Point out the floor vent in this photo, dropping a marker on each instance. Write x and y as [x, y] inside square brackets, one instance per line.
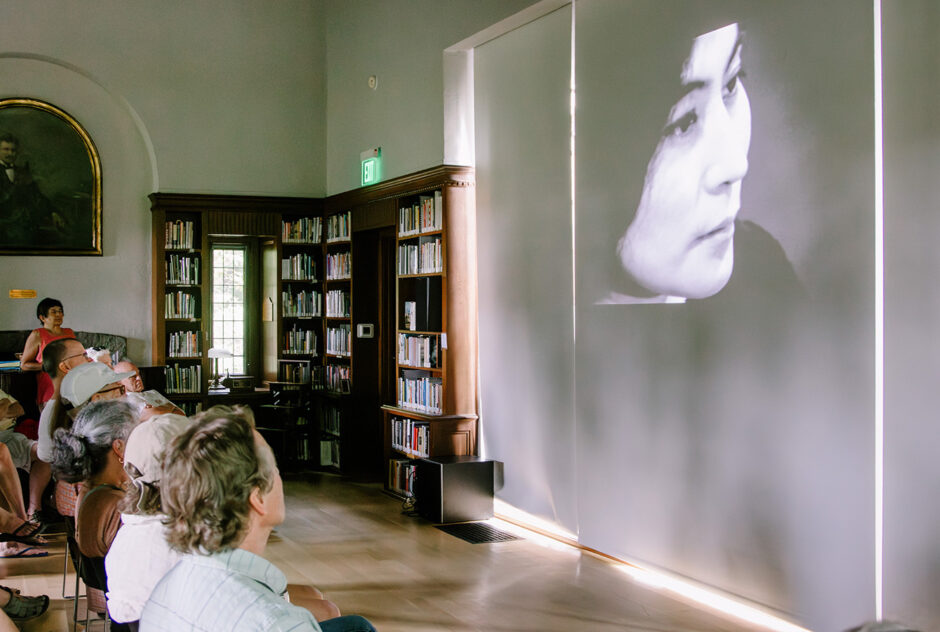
[477, 532]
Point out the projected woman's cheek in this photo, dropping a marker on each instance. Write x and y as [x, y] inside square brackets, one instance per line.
[680, 240]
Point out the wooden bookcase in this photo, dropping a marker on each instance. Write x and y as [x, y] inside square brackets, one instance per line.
[299, 317]
[182, 227]
[435, 412]
[334, 404]
[179, 275]
[315, 412]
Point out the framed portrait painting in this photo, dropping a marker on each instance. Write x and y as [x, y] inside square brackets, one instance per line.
[50, 182]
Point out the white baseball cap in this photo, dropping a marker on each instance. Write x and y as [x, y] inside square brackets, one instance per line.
[146, 443]
[83, 381]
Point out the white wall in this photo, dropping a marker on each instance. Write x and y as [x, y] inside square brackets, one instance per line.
[912, 311]
[401, 42]
[216, 96]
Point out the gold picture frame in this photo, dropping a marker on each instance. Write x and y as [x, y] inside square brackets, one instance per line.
[50, 198]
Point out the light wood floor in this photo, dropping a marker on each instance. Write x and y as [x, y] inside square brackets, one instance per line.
[353, 543]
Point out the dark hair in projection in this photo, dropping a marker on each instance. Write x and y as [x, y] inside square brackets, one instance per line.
[629, 75]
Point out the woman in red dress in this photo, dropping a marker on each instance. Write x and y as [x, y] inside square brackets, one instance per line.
[51, 314]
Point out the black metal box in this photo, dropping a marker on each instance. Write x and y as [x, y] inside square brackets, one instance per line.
[454, 488]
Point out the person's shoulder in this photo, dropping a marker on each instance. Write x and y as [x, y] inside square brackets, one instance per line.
[101, 497]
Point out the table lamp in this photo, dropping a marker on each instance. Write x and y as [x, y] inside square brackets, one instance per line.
[215, 353]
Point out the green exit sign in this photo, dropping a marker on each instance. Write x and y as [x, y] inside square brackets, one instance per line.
[371, 170]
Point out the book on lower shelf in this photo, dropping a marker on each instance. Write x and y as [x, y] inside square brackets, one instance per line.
[401, 476]
[329, 453]
[294, 371]
[183, 378]
[419, 391]
[419, 350]
[410, 436]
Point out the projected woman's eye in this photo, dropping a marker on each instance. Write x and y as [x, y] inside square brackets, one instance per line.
[679, 243]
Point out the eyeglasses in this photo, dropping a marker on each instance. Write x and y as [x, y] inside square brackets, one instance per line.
[83, 354]
[109, 393]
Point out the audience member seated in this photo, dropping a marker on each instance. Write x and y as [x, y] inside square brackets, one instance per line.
[140, 555]
[24, 455]
[51, 314]
[133, 384]
[61, 356]
[92, 452]
[223, 496]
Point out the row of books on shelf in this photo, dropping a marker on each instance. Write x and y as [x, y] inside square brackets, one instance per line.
[401, 476]
[296, 372]
[338, 227]
[337, 303]
[330, 421]
[410, 436]
[183, 379]
[420, 392]
[183, 344]
[423, 258]
[180, 305]
[329, 453]
[425, 215]
[299, 340]
[302, 230]
[302, 449]
[337, 378]
[419, 350]
[303, 304]
[299, 267]
[180, 234]
[338, 340]
[182, 269]
[338, 265]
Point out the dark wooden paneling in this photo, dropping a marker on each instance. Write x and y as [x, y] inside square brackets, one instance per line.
[249, 223]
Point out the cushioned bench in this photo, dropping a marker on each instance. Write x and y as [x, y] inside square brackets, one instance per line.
[22, 384]
[13, 340]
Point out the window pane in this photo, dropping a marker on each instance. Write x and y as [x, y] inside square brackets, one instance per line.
[228, 310]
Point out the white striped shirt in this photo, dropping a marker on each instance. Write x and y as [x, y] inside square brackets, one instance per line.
[235, 591]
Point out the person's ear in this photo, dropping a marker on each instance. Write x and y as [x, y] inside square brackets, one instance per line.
[118, 446]
[256, 501]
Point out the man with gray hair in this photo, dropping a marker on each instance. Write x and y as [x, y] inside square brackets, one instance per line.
[222, 494]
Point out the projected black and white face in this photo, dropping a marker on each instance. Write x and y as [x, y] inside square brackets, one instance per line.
[679, 244]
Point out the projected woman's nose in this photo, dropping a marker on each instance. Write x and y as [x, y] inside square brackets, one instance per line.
[679, 242]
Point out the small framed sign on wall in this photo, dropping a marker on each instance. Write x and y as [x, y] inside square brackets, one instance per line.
[50, 182]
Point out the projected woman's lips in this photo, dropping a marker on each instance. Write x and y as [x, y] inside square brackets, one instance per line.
[724, 230]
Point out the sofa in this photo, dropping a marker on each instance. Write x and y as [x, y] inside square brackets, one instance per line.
[13, 340]
[22, 384]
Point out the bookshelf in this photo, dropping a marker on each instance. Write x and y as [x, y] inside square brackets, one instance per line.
[334, 405]
[415, 389]
[434, 412]
[178, 290]
[183, 227]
